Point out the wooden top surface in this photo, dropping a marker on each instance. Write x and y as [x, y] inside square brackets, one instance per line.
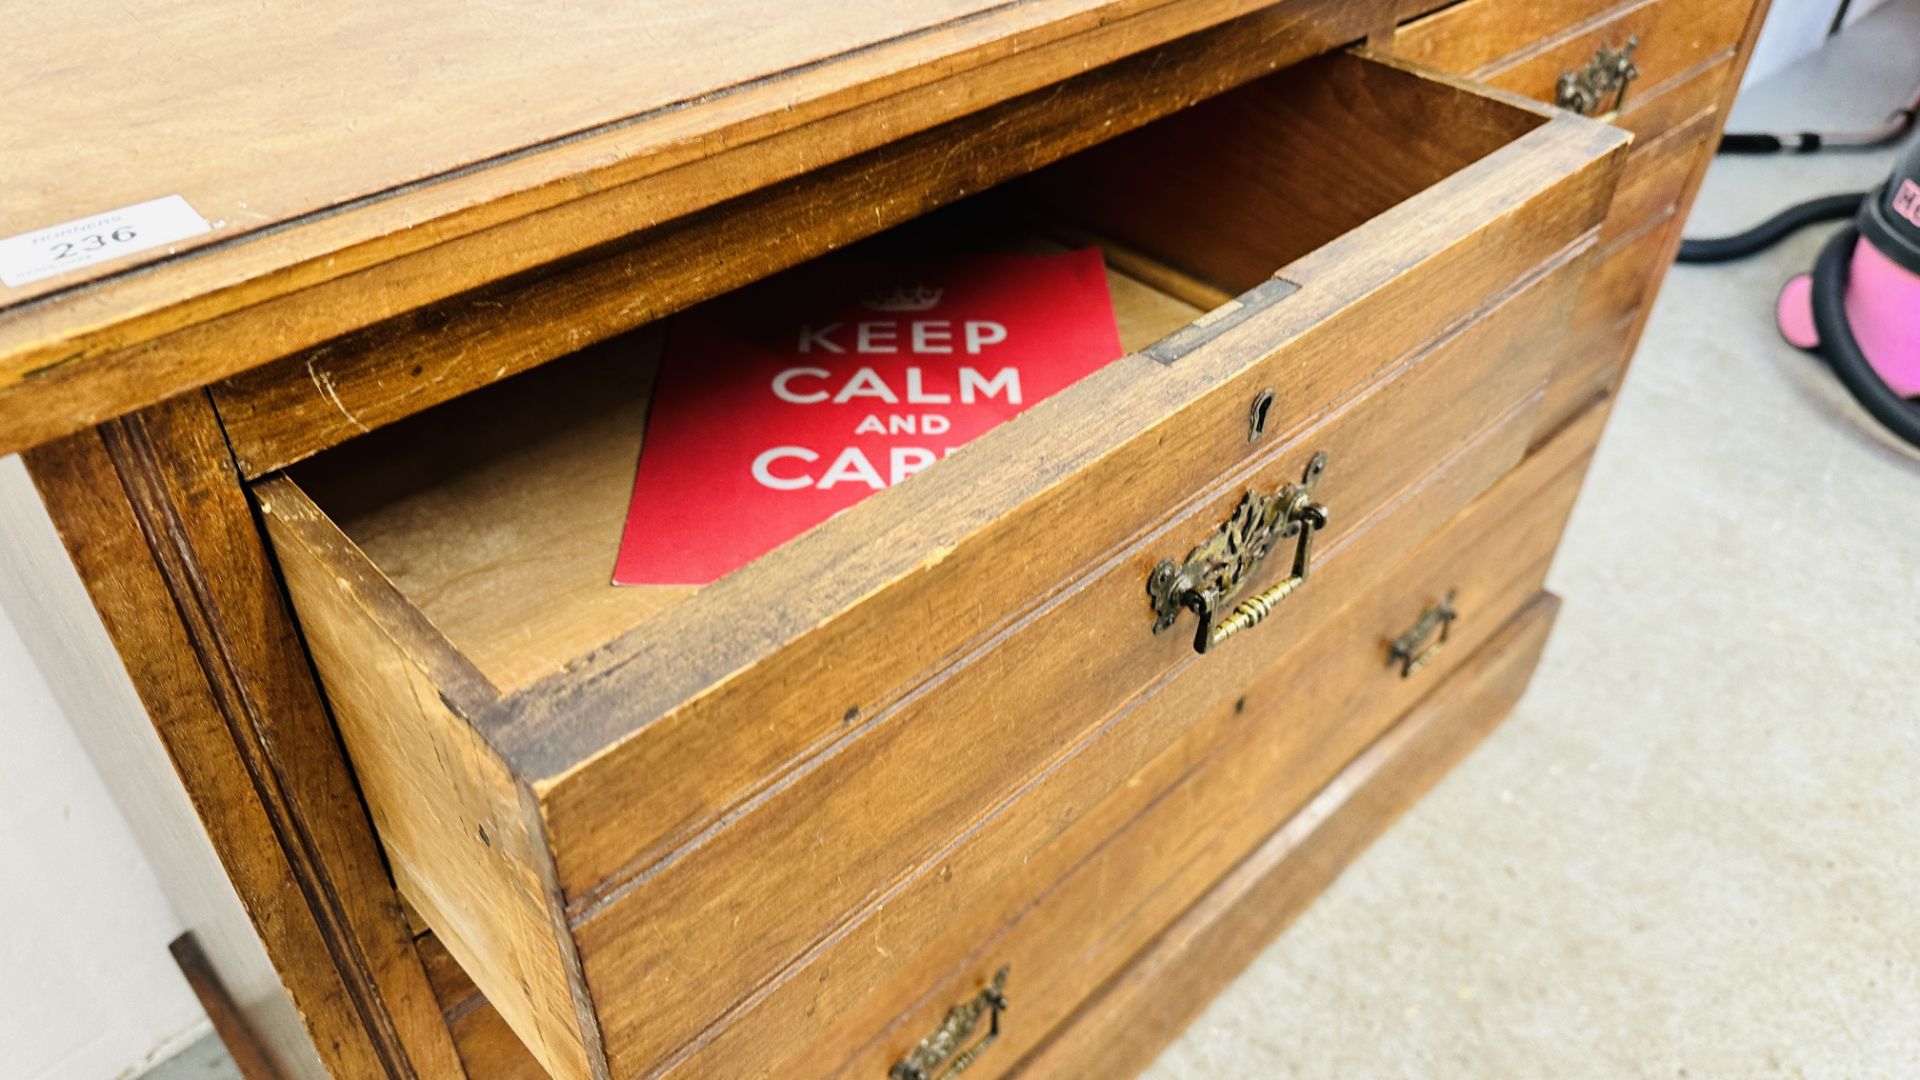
[351, 156]
[258, 116]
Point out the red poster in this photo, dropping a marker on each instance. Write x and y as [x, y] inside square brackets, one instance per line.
[778, 406]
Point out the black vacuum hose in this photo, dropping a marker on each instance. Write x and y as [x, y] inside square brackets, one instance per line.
[1754, 142]
[1719, 249]
[1842, 351]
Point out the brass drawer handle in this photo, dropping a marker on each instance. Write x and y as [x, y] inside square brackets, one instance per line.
[1222, 564]
[938, 1048]
[1608, 73]
[1417, 647]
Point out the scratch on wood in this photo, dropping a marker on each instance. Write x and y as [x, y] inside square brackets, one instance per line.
[325, 385]
[51, 366]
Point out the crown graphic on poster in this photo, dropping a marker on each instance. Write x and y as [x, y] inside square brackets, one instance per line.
[916, 297]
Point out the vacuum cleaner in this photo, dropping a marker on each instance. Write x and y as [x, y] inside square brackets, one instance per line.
[1859, 309]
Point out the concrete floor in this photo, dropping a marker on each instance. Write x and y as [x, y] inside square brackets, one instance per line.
[1694, 849]
[205, 1059]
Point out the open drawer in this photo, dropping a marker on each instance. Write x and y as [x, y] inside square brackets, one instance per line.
[629, 813]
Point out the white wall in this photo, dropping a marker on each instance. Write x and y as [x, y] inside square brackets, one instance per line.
[87, 988]
[74, 692]
[1796, 28]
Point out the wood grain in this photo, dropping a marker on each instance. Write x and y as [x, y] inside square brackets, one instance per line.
[1361, 298]
[463, 842]
[1620, 277]
[1515, 44]
[1676, 37]
[1376, 128]
[1656, 177]
[939, 916]
[1258, 753]
[1047, 682]
[261, 124]
[1271, 730]
[1600, 356]
[250, 1056]
[148, 504]
[488, 1047]
[1473, 34]
[1654, 111]
[154, 518]
[1673, 120]
[1124, 1028]
[1500, 351]
[1726, 80]
[1626, 269]
[48, 604]
[83, 355]
[1499, 219]
[283, 412]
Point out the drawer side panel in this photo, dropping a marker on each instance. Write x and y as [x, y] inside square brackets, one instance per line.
[462, 837]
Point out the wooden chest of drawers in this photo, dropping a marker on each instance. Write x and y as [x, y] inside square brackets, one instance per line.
[1001, 732]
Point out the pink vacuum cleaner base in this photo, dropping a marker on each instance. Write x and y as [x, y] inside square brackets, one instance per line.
[1883, 308]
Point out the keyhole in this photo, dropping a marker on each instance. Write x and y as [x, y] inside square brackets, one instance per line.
[1257, 414]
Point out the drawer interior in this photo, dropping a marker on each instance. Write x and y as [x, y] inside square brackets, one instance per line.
[498, 514]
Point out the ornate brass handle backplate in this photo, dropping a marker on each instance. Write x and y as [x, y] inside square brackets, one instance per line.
[1215, 571]
[939, 1054]
[1417, 647]
[1606, 76]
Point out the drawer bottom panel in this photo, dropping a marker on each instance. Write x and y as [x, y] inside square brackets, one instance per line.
[1132, 1018]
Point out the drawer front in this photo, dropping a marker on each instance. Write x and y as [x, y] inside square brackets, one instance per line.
[856, 1033]
[1656, 178]
[1527, 47]
[1626, 269]
[1685, 57]
[1466, 37]
[924, 754]
[1590, 369]
[1621, 281]
[1620, 278]
[1013, 732]
[1165, 988]
[1676, 38]
[1657, 111]
[824, 724]
[1170, 421]
[1247, 766]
